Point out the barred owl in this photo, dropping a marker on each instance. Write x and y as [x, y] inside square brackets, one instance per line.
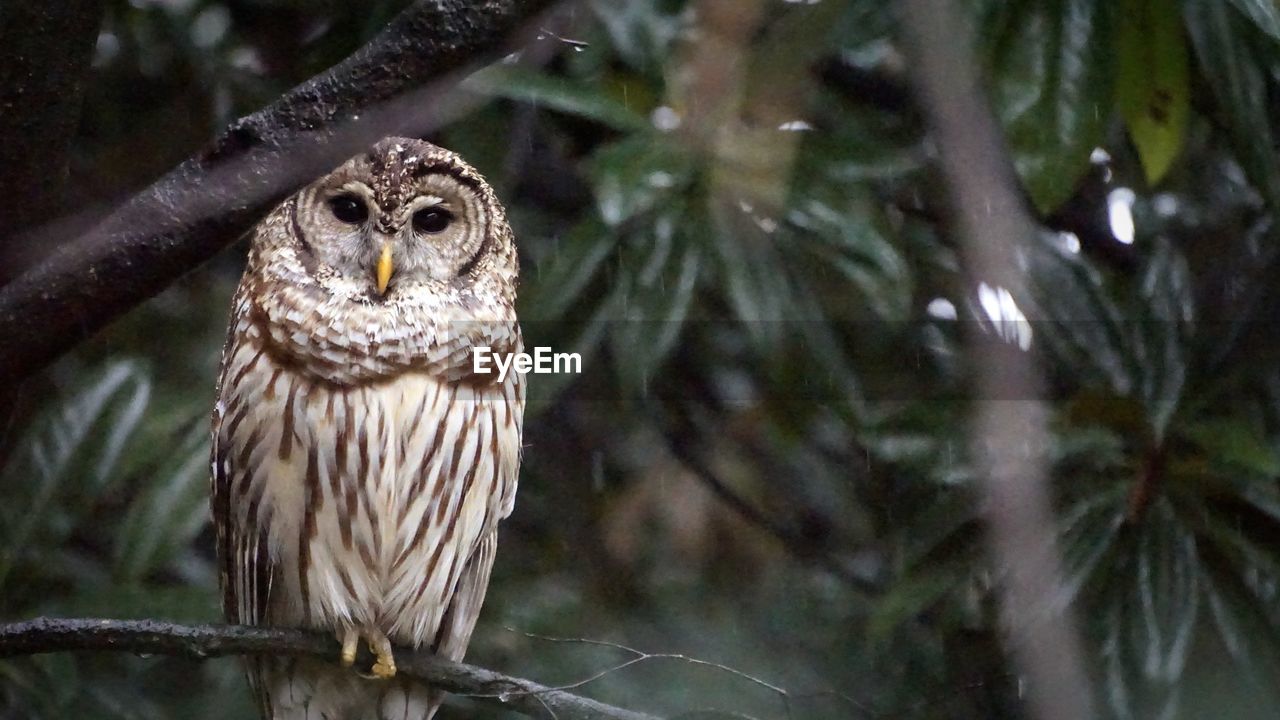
[360, 466]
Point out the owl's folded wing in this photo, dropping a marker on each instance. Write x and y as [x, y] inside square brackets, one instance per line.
[245, 569]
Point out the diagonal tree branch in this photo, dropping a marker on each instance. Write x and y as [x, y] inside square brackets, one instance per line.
[45, 635]
[211, 199]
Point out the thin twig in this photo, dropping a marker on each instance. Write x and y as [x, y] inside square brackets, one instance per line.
[45, 635]
[640, 655]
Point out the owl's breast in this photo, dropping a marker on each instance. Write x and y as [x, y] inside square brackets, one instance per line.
[377, 493]
[345, 341]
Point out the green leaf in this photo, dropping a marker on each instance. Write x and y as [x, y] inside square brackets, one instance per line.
[1089, 529]
[1137, 347]
[652, 302]
[583, 337]
[843, 237]
[940, 551]
[912, 595]
[1235, 544]
[1152, 82]
[945, 568]
[1087, 334]
[557, 93]
[1235, 442]
[1227, 59]
[1263, 13]
[1242, 621]
[635, 175]
[1168, 587]
[1164, 316]
[753, 276]
[47, 684]
[175, 603]
[166, 517]
[87, 435]
[949, 521]
[558, 280]
[73, 451]
[1052, 91]
[640, 32]
[1244, 526]
[1151, 617]
[863, 143]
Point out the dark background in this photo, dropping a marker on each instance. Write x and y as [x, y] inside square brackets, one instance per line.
[729, 207]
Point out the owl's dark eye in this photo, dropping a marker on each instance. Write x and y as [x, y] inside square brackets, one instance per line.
[349, 208]
[432, 220]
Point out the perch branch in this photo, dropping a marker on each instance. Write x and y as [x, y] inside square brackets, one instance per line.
[211, 199]
[44, 635]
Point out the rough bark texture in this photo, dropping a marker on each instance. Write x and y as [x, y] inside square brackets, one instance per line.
[45, 49]
[44, 635]
[211, 199]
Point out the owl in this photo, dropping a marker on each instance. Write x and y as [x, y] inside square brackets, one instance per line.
[360, 465]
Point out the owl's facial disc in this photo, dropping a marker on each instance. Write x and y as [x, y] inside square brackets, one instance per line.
[346, 237]
[444, 225]
[383, 223]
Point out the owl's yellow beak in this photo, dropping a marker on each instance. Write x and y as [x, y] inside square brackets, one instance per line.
[384, 268]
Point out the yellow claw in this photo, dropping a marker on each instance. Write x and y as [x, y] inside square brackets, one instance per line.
[385, 665]
[350, 639]
[384, 268]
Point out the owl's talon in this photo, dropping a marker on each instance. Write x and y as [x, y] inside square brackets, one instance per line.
[385, 666]
[350, 640]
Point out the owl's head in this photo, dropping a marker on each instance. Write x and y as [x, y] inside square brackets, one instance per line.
[405, 217]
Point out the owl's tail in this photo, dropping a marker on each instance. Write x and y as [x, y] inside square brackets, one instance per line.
[305, 689]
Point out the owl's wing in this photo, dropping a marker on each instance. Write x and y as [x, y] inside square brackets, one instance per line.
[459, 619]
[464, 604]
[245, 568]
[243, 561]
[464, 607]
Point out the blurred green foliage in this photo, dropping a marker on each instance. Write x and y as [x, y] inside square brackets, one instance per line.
[729, 209]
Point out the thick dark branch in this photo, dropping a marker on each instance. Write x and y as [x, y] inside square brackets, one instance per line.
[210, 200]
[45, 48]
[44, 635]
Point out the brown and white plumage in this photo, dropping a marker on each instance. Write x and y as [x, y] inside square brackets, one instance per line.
[360, 467]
